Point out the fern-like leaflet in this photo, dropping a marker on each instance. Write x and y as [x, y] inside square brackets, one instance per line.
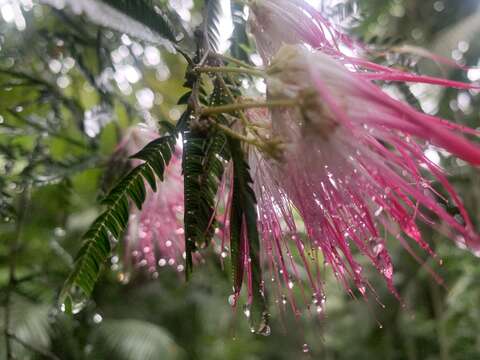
[113, 221]
[245, 240]
[203, 171]
[138, 18]
[211, 32]
[145, 12]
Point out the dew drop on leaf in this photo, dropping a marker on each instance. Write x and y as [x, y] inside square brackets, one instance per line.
[74, 302]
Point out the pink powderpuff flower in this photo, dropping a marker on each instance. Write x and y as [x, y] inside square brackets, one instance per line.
[354, 169]
[155, 235]
[278, 22]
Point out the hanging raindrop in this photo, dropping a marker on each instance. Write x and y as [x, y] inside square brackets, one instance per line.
[246, 310]
[232, 300]
[73, 301]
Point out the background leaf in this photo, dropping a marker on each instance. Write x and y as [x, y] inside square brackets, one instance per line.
[138, 18]
[130, 339]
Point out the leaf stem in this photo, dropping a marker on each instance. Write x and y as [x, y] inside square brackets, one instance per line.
[242, 116]
[233, 134]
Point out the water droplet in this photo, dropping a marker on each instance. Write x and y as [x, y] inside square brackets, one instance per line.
[265, 331]
[232, 300]
[162, 262]
[124, 278]
[305, 348]
[362, 289]
[75, 301]
[223, 254]
[246, 310]
[290, 284]
[59, 232]
[143, 263]
[459, 219]
[97, 318]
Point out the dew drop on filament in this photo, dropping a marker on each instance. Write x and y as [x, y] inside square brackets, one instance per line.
[232, 300]
[246, 311]
[265, 331]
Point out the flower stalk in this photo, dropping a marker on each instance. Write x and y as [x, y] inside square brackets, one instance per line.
[231, 70]
[232, 108]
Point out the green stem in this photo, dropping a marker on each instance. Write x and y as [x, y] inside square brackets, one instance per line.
[231, 70]
[234, 134]
[235, 61]
[225, 109]
[233, 99]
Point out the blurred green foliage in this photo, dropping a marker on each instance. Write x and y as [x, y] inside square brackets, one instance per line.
[58, 72]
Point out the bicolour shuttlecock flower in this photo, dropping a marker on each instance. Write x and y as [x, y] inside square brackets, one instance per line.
[155, 236]
[354, 169]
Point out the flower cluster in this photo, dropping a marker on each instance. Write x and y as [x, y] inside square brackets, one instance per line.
[155, 236]
[354, 170]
